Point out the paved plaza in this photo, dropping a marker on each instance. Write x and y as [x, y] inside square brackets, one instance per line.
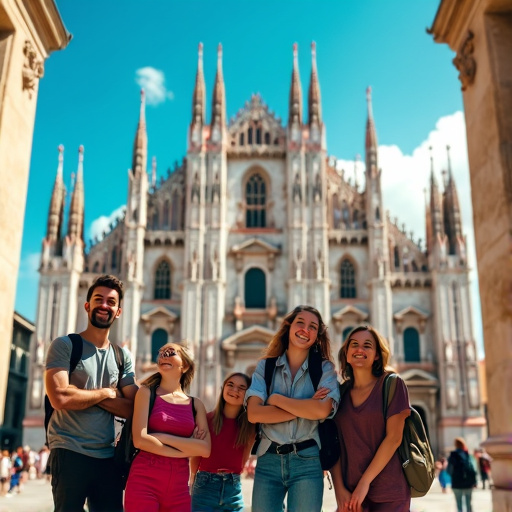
[37, 497]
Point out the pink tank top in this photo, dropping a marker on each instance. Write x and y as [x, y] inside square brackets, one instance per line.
[175, 419]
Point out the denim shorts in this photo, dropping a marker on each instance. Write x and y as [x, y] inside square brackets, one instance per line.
[213, 492]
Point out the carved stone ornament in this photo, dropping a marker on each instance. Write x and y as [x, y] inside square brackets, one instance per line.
[465, 63]
[33, 68]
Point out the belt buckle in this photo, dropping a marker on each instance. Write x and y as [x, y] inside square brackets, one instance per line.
[278, 449]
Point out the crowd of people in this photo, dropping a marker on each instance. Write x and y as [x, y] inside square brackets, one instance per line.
[191, 459]
[18, 467]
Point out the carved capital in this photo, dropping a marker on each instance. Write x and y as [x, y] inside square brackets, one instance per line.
[465, 62]
[33, 68]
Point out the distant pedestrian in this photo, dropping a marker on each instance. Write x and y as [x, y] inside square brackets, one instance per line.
[17, 468]
[484, 465]
[443, 476]
[5, 472]
[463, 474]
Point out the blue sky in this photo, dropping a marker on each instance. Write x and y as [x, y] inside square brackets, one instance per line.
[90, 95]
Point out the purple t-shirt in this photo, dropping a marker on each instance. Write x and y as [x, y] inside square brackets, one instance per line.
[362, 429]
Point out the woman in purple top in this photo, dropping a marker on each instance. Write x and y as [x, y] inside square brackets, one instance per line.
[369, 477]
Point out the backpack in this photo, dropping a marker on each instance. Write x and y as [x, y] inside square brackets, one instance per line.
[327, 429]
[463, 473]
[125, 451]
[76, 355]
[414, 451]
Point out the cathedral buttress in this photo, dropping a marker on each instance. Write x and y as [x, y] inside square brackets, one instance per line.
[215, 241]
[297, 190]
[135, 228]
[378, 274]
[317, 234]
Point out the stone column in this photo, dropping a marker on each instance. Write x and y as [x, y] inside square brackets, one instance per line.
[480, 31]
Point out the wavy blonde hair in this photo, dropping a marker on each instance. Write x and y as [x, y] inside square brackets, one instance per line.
[187, 375]
[279, 342]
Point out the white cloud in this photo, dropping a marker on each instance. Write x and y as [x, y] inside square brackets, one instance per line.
[152, 80]
[404, 177]
[29, 266]
[102, 224]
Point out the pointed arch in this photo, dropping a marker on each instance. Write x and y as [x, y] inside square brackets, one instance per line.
[256, 201]
[162, 288]
[165, 215]
[396, 253]
[347, 279]
[411, 345]
[336, 212]
[345, 214]
[255, 289]
[158, 339]
[176, 211]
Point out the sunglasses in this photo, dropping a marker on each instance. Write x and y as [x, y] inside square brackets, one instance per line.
[168, 352]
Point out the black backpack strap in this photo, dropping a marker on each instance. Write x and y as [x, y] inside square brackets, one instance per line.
[388, 391]
[315, 367]
[77, 348]
[193, 407]
[152, 398]
[270, 366]
[119, 355]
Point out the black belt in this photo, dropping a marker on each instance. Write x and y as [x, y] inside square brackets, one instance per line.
[283, 449]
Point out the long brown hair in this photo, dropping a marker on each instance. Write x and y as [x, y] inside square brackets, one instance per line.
[245, 429]
[187, 375]
[279, 342]
[379, 366]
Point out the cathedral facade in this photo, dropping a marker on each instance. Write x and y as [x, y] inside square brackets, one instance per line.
[255, 220]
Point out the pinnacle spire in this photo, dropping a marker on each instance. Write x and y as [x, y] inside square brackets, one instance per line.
[451, 209]
[295, 110]
[76, 212]
[199, 98]
[314, 97]
[153, 172]
[371, 133]
[219, 95]
[56, 211]
[435, 203]
[140, 144]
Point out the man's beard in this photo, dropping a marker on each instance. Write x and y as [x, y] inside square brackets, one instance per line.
[102, 323]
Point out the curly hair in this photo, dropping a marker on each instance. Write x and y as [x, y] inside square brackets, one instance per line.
[380, 365]
[108, 281]
[279, 342]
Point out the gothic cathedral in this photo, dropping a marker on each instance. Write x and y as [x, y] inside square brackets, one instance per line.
[255, 220]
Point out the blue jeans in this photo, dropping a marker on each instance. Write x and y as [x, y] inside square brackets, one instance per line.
[463, 494]
[217, 492]
[298, 474]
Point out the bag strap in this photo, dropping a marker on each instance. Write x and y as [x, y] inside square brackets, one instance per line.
[76, 351]
[315, 367]
[119, 356]
[270, 366]
[388, 391]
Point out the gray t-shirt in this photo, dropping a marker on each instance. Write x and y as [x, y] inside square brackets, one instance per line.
[89, 431]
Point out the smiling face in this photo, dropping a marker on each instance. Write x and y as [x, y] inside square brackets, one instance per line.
[303, 330]
[362, 350]
[234, 390]
[103, 307]
[169, 359]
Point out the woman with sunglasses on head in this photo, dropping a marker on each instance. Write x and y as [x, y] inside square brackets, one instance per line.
[288, 454]
[368, 477]
[176, 430]
[216, 479]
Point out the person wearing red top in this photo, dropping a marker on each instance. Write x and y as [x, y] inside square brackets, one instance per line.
[216, 479]
[368, 476]
[158, 479]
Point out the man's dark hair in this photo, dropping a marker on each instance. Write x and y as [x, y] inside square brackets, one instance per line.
[108, 281]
